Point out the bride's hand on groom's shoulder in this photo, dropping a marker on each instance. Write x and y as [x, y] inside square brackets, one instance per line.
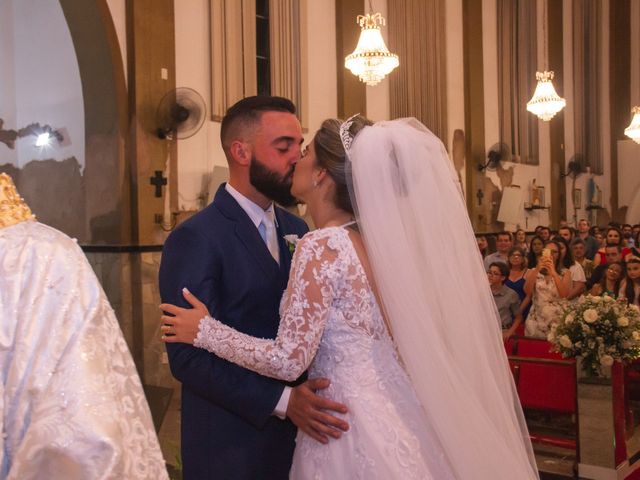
[308, 411]
[182, 326]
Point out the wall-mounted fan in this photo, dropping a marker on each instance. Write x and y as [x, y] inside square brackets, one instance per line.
[574, 168]
[180, 114]
[495, 156]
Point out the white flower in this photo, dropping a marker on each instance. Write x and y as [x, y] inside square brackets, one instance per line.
[636, 335]
[606, 360]
[634, 308]
[565, 341]
[607, 299]
[597, 299]
[293, 239]
[569, 319]
[623, 322]
[552, 336]
[590, 315]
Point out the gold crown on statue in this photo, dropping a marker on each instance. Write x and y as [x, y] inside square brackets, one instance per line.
[13, 208]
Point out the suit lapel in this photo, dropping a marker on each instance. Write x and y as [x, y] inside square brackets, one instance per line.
[285, 253]
[246, 231]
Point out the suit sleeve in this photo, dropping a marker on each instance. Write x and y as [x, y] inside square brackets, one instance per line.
[188, 261]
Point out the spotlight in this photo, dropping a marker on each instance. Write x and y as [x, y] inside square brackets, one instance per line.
[43, 139]
[45, 135]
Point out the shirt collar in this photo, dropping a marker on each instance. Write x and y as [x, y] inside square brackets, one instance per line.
[502, 291]
[253, 210]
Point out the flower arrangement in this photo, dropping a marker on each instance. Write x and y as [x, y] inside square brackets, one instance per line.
[600, 329]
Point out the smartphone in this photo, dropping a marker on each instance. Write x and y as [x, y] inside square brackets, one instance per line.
[546, 252]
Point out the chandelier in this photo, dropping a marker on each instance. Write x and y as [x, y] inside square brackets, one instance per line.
[371, 61]
[545, 102]
[633, 130]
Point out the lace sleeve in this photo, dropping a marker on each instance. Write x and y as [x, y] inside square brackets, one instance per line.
[310, 293]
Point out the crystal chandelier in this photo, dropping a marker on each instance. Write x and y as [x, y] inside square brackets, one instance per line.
[371, 61]
[545, 102]
[633, 130]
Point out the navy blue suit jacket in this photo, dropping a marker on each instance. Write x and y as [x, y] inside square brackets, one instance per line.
[228, 431]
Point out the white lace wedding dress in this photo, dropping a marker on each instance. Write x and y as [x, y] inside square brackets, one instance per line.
[331, 324]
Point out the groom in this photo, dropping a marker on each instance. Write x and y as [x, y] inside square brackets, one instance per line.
[237, 424]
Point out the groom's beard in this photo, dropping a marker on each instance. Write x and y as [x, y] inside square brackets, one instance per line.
[270, 184]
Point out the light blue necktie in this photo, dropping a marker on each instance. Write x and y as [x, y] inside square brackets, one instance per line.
[267, 229]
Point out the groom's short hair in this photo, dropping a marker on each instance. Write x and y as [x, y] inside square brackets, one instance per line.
[247, 112]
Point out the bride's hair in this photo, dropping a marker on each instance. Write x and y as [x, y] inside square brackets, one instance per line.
[331, 156]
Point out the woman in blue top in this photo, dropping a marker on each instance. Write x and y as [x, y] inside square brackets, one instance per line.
[517, 263]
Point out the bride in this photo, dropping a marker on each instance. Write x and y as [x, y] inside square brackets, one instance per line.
[412, 349]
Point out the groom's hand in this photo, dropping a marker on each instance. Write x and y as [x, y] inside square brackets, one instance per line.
[308, 411]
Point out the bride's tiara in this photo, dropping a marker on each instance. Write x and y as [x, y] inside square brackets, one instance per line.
[345, 134]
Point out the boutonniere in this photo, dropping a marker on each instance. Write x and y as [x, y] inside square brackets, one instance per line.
[292, 240]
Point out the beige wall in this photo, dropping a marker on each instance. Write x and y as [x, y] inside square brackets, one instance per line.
[198, 155]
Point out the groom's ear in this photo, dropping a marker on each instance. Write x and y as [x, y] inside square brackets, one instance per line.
[241, 153]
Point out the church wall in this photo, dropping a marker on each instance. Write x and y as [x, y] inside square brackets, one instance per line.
[199, 155]
[455, 78]
[629, 151]
[523, 175]
[37, 52]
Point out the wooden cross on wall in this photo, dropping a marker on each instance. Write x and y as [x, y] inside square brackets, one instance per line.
[158, 181]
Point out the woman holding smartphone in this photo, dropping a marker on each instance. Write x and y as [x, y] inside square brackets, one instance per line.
[549, 284]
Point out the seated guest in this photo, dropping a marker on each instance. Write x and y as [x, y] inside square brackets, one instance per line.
[535, 250]
[504, 242]
[613, 253]
[517, 264]
[630, 285]
[549, 285]
[579, 250]
[578, 278]
[506, 299]
[634, 244]
[483, 245]
[567, 233]
[613, 237]
[590, 243]
[520, 240]
[627, 236]
[545, 234]
[610, 282]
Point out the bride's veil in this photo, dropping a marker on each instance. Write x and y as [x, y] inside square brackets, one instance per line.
[434, 290]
